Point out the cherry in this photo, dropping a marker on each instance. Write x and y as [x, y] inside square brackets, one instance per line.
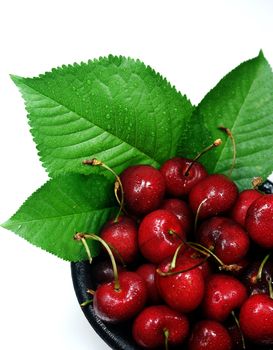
[244, 200]
[223, 294]
[225, 238]
[181, 210]
[102, 271]
[209, 335]
[256, 276]
[182, 291]
[197, 259]
[159, 325]
[147, 272]
[144, 188]
[121, 235]
[256, 319]
[213, 195]
[259, 221]
[159, 234]
[113, 304]
[178, 180]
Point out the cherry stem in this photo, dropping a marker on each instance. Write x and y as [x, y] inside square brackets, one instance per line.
[117, 186]
[231, 137]
[198, 213]
[172, 273]
[256, 182]
[90, 291]
[260, 270]
[206, 251]
[78, 236]
[166, 338]
[87, 250]
[174, 259]
[216, 143]
[87, 302]
[239, 327]
[269, 281]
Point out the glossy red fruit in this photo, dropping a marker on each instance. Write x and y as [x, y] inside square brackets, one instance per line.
[114, 306]
[244, 201]
[150, 325]
[249, 278]
[209, 335]
[159, 234]
[144, 188]
[178, 182]
[227, 239]
[147, 272]
[181, 210]
[223, 294]
[256, 319]
[122, 236]
[259, 221]
[216, 192]
[182, 291]
[199, 260]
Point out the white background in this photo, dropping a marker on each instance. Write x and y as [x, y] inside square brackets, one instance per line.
[192, 43]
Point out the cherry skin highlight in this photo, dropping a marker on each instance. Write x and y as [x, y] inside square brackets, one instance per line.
[243, 202]
[181, 210]
[159, 234]
[179, 182]
[227, 239]
[259, 221]
[121, 234]
[209, 335]
[213, 195]
[112, 305]
[182, 291]
[150, 325]
[144, 188]
[223, 294]
[256, 319]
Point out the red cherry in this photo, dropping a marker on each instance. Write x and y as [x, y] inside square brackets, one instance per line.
[147, 272]
[159, 234]
[213, 195]
[259, 221]
[144, 188]
[181, 210]
[113, 305]
[179, 182]
[122, 236]
[223, 294]
[182, 291]
[251, 281]
[209, 335]
[152, 322]
[199, 260]
[227, 239]
[244, 201]
[256, 319]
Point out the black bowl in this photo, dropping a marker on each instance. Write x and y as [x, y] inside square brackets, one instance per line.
[117, 336]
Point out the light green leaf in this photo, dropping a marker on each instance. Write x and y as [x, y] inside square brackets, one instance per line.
[63, 206]
[115, 109]
[243, 102]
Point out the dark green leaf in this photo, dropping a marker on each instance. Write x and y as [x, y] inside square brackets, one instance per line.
[242, 102]
[115, 109]
[63, 206]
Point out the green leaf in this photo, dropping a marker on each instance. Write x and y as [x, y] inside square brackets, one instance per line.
[243, 102]
[115, 109]
[63, 206]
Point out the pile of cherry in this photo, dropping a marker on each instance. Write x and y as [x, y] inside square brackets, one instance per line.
[190, 261]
